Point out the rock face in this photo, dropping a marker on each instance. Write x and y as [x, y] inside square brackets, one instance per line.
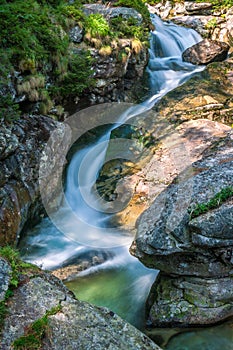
[207, 96]
[115, 77]
[75, 324]
[194, 252]
[116, 72]
[203, 17]
[21, 145]
[205, 52]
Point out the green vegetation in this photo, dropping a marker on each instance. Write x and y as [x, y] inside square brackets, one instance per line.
[211, 24]
[36, 51]
[34, 334]
[220, 4]
[34, 42]
[213, 203]
[18, 267]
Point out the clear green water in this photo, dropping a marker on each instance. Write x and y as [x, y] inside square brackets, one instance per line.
[214, 338]
[123, 290]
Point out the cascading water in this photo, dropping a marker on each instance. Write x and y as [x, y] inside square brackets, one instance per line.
[46, 244]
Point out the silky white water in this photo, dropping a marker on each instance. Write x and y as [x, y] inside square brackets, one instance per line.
[82, 224]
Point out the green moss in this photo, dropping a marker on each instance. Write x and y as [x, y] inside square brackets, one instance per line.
[97, 26]
[213, 203]
[17, 265]
[34, 334]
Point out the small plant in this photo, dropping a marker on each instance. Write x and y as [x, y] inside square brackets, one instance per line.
[211, 24]
[9, 110]
[77, 78]
[34, 334]
[136, 46]
[128, 28]
[105, 50]
[213, 203]
[97, 26]
[17, 265]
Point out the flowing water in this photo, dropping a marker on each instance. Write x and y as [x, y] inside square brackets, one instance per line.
[120, 281]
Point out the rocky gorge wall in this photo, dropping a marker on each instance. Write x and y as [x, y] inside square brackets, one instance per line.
[178, 253]
[186, 232]
[189, 172]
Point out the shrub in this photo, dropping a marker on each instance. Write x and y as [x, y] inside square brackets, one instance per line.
[97, 26]
[77, 78]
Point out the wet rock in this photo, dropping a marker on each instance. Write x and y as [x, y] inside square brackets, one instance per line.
[73, 325]
[72, 267]
[205, 52]
[208, 96]
[115, 77]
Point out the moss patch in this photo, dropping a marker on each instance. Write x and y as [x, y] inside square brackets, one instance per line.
[34, 334]
[213, 203]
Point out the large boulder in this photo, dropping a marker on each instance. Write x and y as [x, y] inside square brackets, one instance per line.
[44, 312]
[21, 148]
[205, 52]
[187, 234]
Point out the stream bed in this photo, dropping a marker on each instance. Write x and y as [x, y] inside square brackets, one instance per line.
[120, 282]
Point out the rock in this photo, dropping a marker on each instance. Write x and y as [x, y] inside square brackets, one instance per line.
[72, 325]
[195, 301]
[208, 96]
[115, 77]
[21, 145]
[76, 34]
[205, 52]
[202, 8]
[195, 254]
[199, 23]
[73, 266]
[5, 276]
[169, 9]
[112, 12]
[173, 150]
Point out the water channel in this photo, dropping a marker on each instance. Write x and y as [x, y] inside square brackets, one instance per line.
[120, 282]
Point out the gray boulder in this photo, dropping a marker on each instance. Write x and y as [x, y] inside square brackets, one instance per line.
[193, 249]
[71, 325]
[205, 52]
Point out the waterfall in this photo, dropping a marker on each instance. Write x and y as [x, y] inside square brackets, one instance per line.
[46, 245]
